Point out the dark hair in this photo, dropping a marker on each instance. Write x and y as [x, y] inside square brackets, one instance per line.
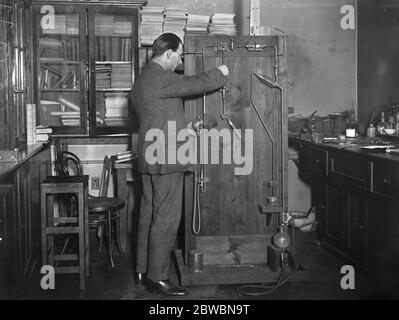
[165, 42]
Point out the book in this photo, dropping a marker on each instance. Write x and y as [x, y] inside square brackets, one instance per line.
[132, 157]
[124, 156]
[42, 137]
[43, 130]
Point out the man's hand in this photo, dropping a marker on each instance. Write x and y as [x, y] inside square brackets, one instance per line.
[224, 70]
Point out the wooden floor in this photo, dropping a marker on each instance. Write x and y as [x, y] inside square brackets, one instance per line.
[323, 281]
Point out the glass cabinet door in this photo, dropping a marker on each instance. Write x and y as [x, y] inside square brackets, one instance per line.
[113, 67]
[61, 67]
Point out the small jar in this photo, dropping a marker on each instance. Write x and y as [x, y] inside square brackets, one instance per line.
[371, 131]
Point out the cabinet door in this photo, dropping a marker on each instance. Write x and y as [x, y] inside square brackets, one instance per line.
[8, 240]
[382, 234]
[334, 217]
[61, 68]
[355, 230]
[113, 64]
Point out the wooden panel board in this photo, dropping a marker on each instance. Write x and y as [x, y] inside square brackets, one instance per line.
[233, 250]
[230, 205]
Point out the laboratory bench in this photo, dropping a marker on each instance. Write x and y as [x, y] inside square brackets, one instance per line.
[355, 190]
[21, 172]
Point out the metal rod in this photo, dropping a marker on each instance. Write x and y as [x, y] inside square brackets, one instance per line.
[282, 146]
[203, 167]
[266, 129]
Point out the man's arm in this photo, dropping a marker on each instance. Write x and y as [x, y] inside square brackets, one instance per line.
[178, 86]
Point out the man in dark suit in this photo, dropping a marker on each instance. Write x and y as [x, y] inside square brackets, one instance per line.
[157, 96]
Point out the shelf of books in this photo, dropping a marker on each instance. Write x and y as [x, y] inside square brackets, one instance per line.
[85, 65]
[59, 72]
[114, 68]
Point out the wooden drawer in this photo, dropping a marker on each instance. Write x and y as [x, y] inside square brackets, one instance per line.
[385, 179]
[349, 168]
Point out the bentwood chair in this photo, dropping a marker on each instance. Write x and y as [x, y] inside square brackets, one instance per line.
[103, 210]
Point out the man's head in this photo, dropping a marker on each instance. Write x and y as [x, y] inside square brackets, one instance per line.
[168, 51]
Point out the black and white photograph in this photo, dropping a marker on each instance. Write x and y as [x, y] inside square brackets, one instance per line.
[198, 157]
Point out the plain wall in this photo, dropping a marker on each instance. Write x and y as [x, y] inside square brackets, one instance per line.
[378, 79]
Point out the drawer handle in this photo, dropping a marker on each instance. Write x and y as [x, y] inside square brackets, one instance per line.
[317, 161]
[387, 180]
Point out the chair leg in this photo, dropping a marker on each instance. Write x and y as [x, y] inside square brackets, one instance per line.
[110, 238]
[101, 236]
[118, 234]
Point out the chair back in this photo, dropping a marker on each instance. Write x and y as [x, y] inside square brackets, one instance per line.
[104, 181]
[63, 162]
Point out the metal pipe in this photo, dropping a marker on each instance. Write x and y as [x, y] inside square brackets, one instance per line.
[265, 127]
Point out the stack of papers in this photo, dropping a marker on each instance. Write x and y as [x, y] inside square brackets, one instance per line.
[197, 23]
[116, 109]
[103, 76]
[223, 24]
[43, 133]
[175, 21]
[151, 24]
[124, 156]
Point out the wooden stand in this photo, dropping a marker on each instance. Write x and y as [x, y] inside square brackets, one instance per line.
[231, 274]
[236, 214]
[70, 225]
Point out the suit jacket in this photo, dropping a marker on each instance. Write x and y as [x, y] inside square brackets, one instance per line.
[157, 97]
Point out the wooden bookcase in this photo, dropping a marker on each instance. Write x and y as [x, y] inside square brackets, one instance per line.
[85, 63]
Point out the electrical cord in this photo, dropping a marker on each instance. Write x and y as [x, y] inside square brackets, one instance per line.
[263, 289]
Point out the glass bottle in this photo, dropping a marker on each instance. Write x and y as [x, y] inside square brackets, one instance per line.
[371, 131]
[381, 125]
[391, 123]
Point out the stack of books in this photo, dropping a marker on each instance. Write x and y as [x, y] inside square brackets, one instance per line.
[223, 24]
[30, 124]
[121, 76]
[151, 24]
[116, 109]
[122, 26]
[49, 76]
[51, 50]
[197, 23]
[124, 156]
[175, 21]
[103, 76]
[69, 118]
[43, 133]
[71, 49]
[104, 25]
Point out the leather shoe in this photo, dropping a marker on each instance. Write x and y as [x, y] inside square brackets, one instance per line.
[165, 287]
[140, 278]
